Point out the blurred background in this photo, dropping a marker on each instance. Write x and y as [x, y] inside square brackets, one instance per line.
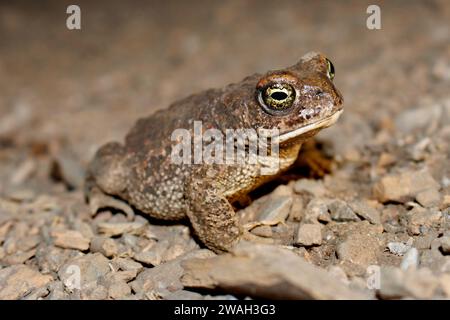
[80, 88]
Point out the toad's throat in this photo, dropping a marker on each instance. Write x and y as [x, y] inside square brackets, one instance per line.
[296, 133]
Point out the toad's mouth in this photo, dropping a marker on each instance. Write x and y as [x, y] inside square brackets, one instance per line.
[324, 123]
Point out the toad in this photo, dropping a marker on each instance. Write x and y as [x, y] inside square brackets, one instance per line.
[141, 174]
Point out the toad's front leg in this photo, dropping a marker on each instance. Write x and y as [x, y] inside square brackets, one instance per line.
[211, 215]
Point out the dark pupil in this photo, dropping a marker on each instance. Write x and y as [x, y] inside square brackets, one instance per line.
[279, 95]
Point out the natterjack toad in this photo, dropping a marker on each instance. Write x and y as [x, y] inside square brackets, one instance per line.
[298, 101]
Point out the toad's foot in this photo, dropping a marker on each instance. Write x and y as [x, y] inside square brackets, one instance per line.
[98, 200]
[212, 217]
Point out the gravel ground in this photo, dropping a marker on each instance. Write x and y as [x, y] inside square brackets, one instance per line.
[374, 225]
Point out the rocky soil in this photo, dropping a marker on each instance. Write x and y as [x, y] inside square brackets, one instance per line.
[373, 223]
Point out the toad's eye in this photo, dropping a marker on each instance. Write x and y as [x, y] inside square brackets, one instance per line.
[330, 70]
[277, 97]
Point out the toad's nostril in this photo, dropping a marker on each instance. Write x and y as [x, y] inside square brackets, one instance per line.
[319, 92]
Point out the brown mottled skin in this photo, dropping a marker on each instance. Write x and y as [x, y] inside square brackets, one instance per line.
[140, 173]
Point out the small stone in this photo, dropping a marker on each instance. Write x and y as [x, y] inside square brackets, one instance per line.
[150, 258]
[165, 277]
[93, 291]
[91, 267]
[420, 220]
[420, 119]
[359, 248]
[105, 246]
[19, 280]
[396, 283]
[298, 209]
[70, 239]
[309, 234]
[405, 186]
[126, 265]
[18, 257]
[309, 186]
[262, 231]
[119, 290]
[365, 211]
[51, 258]
[410, 260]
[445, 244]
[28, 243]
[276, 210]
[116, 229]
[338, 273]
[317, 209]
[424, 241]
[398, 248]
[57, 292]
[262, 271]
[429, 198]
[341, 212]
[154, 255]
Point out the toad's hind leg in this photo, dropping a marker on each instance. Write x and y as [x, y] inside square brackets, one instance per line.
[212, 216]
[106, 178]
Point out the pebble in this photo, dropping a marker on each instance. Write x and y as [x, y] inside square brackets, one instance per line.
[429, 198]
[263, 269]
[126, 264]
[359, 248]
[298, 209]
[118, 290]
[365, 211]
[338, 273]
[316, 210]
[106, 246]
[309, 234]
[70, 239]
[91, 267]
[399, 248]
[50, 258]
[91, 291]
[424, 241]
[19, 280]
[165, 277]
[421, 219]
[410, 260]
[412, 283]
[404, 186]
[276, 210]
[340, 211]
[18, 258]
[309, 186]
[57, 292]
[262, 231]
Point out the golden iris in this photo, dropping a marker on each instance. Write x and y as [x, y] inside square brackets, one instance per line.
[278, 96]
[330, 70]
